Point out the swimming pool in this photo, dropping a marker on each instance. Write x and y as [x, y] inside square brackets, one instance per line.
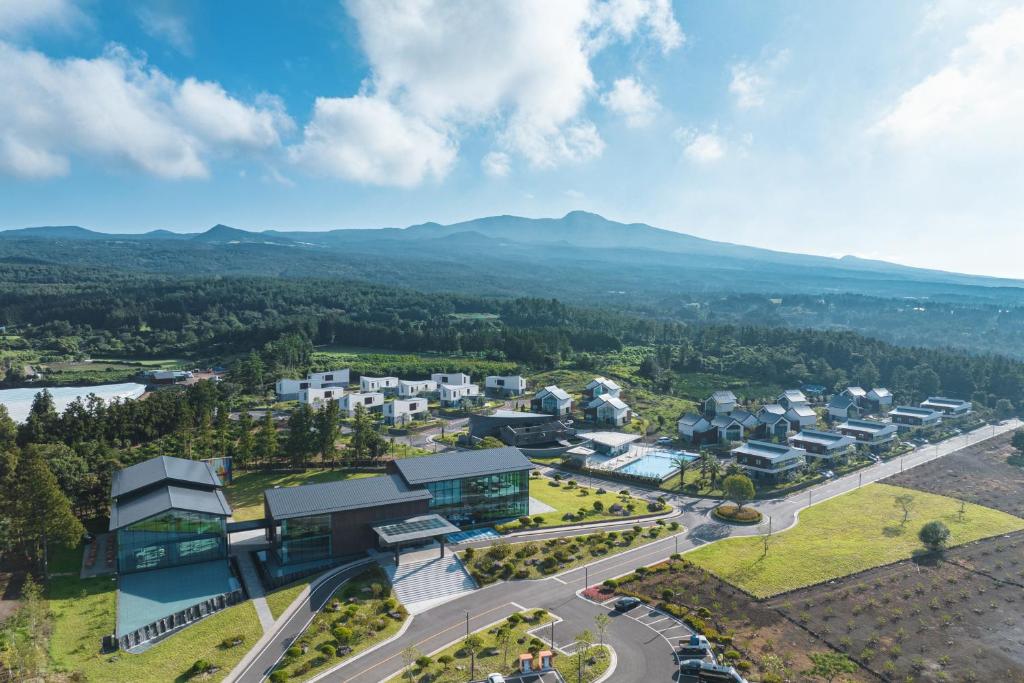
[658, 464]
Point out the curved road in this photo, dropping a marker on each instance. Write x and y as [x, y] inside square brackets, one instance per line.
[643, 655]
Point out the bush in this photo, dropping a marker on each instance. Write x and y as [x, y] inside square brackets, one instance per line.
[598, 506]
[525, 521]
[934, 535]
[342, 634]
[538, 520]
[293, 652]
[327, 649]
[610, 583]
[279, 676]
[200, 666]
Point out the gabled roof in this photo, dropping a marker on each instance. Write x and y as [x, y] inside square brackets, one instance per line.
[827, 439]
[724, 421]
[164, 498]
[744, 417]
[771, 409]
[693, 420]
[724, 397]
[553, 390]
[462, 464]
[879, 392]
[856, 392]
[841, 402]
[338, 496]
[771, 451]
[603, 381]
[163, 469]
[802, 411]
[793, 395]
[613, 401]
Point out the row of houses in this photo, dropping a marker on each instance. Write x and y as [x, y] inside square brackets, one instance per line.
[602, 402]
[721, 419]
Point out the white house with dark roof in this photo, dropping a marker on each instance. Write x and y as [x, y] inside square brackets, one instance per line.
[824, 446]
[774, 462]
[454, 378]
[856, 393]
[719, 403]
[953, 407]
[908, 417]
[728, 428]
[453, 395]
[601, 386]
[402, 410]
[843, 407]
[790, 398]
[315, 397]
[879, 400]
[694, 428]
[773, 422]
[505, 385]
[872, 433]
[608, 410]
[407, 388]
[801, 416]
[385, 385]
[551, 400]
[372, 401]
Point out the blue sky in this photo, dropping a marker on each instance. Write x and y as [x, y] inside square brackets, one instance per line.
[886, 130]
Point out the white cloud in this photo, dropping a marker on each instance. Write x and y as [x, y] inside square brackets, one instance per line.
[496, 164]
[633, 101]
[170, 28]
[975, 103]
[700, 147]
[520, 69]
[751, 81]
[20, 16]
[368, 140]
[119, 108]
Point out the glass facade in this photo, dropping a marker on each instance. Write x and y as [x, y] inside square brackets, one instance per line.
[481, 500]
[171, 538]
[304, 539]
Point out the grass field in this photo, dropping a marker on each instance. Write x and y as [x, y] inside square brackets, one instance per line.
[246, 491]
[84, 612]
[843, 535]
[565, 499]
[278, 600]
[492, 656]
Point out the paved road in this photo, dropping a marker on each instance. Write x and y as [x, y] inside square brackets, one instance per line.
[643, 655]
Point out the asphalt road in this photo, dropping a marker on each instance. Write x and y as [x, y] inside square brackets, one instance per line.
[643, 655]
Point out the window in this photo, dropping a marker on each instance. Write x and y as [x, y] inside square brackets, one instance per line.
[304, 539]
[171, 538]
[329, 378]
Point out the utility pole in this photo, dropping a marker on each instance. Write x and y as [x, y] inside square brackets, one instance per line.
[586, 577]
[676, 539]
[552, 633]
[860, 479]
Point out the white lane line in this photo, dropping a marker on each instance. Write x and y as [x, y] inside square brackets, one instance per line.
[564, 583]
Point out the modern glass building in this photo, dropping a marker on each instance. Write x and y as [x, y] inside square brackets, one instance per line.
[168, 512]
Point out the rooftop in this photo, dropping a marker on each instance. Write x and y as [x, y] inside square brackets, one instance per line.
[913, 412]
[510, 414]
[164, 498]
[944, 401]
[610, 439]
[461, 465]
[338, 496]
[867, 425]
[723, 396]
[555, 391]
[823, 438]
[771, 451]
[415, 528]
[160, 469]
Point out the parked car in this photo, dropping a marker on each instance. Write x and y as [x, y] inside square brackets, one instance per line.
[828, 474]
[495, 678]
[665, 439]
[627, 603]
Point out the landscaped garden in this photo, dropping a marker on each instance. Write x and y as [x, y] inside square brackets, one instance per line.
[83, 612]
[537, 559]
[496, 649]
[245, 493]
[360, 614]
[574, 504]
[865, 528]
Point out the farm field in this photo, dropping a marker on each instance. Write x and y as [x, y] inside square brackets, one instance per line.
[978, 474]
[766, 641]
[898, 621]
[846, 534]
[245, 493]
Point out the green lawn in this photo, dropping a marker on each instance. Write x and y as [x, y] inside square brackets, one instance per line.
[492, 656]
[278, 600]
[84, 611]
[843, 535]
[564, 499]
[363, 618]
[246, 491]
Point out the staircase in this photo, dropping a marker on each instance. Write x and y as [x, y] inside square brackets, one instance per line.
[422, 585]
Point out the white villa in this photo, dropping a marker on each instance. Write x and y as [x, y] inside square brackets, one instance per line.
[791, 398]
[954, 407]
[373, 402]
[453, 378]
[608, 410]
[400, 411]
[407, 388]
[385, 385]
[315, 397]
[602, 386]
[288, 389]
[505, 385]
[331, 378]
[452, 395]
[551, 400]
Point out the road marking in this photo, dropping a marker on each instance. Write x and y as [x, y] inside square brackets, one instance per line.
[564, 583]
[518, 606]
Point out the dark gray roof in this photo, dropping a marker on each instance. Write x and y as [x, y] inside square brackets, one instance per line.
[337, 496]
[160, 469]
[415, 528]
[462, 464]
[164, 498]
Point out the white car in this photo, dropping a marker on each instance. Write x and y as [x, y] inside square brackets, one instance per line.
[495, 678]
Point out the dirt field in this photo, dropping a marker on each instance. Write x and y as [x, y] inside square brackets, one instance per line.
[953, 619]
[760, 634]
[978, 474]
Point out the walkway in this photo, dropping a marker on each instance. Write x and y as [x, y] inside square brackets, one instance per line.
[254, 588]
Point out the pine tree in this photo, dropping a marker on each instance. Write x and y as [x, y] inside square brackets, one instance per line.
[41, 514]
[327, 429]
[300, 434]
[41, 424]
[244, 448]
[266, 440]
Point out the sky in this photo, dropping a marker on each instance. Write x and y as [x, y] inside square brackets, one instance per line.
[884, 130]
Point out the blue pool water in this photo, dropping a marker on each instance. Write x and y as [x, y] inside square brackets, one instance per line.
[656, 463]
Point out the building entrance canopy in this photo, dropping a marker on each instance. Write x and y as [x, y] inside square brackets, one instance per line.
[414, 529]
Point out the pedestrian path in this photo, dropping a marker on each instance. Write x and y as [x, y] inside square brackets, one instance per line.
[254, 587]
[422, 585]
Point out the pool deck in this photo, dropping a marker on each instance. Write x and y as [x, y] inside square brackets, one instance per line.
[636, 453]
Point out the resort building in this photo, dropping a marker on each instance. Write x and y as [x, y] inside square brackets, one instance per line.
[790, 398]
[372, 402]
[454, 395]
[823, 445]
[801, 416]
[383, 385]
[551, 400]
[407, 388]
[695, 429]
[601, 386]
[908, 417]
[288, 389]
[609, 443]
[455, 378]
[538, 434]
[719, 403]
[331, 378]
[876, 435]
[401, 411]
[608, 410]
[320, 395]
[878, 400]
[842, 407]
[505, 385]
[770, 461]
[952, 407]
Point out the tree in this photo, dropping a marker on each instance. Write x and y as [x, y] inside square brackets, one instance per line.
[601, 622]
[584, 641]
[683, 462]
[739, 489]
[504, 637]
[365, 440]
[41, 514]
[828, 665]
[246, 444]
[409, 657]
[1004, 409]
[472, 645]
[327, 429]
[301, 439]
[266, 440]
[905, 502]
[1017, 441]
[41, 424]
[8, 430]
[934, 535]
